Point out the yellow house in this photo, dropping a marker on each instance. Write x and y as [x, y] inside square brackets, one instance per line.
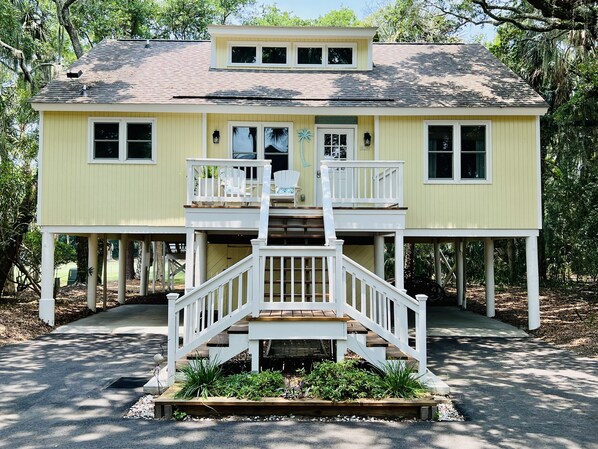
[182, 141]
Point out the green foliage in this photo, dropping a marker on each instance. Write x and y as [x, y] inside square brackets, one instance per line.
[343, 381]
[252, 386]
[401, 381]
[201, 377]
[179, 415]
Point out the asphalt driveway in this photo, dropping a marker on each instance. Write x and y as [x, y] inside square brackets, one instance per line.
[516, 393]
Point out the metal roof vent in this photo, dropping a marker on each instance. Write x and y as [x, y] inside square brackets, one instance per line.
[74, 74]
[84, 90]
[147, 45]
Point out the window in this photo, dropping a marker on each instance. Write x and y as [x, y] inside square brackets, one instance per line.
[458, 151]
[326, 55]
[258, 54]
[122, 140]
[262, 141]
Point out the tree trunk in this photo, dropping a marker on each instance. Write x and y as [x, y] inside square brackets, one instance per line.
[511, 260]
[64, 18]
[130, 260]
[159, 261]
[410, 261]
[81, 247]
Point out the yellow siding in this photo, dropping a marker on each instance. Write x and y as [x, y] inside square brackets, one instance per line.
[509, 202]
[222, 49]
[362, 254]
[75, 192]
[217, 259]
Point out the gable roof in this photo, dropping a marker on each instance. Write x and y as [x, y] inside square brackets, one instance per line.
[178, 73]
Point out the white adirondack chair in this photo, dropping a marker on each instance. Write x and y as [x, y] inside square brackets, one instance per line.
[285, 187]
[234, 184]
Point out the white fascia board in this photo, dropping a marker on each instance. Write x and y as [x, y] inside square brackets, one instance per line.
[286, 110]
[72, 230]
[291, 32]
[471, 233]
[539, 172]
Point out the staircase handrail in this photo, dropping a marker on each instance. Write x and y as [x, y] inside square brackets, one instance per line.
[265, 203]
[327, 210]
[381, 321]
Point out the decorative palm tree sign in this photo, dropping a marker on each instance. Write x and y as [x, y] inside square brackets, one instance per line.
[304, 134]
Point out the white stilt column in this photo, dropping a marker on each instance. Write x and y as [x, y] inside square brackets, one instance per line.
[201, 258]
[379, 255]
[399, 261]
[489, 259]
[47, 301]
[122, 269]
[437, 264]
[460, 272]
[145, 261]
[189, 260]
[533, 282]
[92, 272]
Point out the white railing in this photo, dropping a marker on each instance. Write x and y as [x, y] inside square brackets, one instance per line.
[384, 309]
[265, 203]
[226, 181]
[208, 310]
[327, 210]
[368, 183]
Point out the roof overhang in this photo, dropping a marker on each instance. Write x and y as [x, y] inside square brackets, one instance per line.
[295, 32]
[291, 110]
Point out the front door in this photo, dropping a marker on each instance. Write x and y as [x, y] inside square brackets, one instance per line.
[336, 144]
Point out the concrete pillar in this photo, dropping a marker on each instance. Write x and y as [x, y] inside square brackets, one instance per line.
[122, 269]
[460, 272]
[533, 282]
[145, 261]
[399, 260]
[379, 255]
[437, 264]
[92, 271]
[47, 301]
[489, 263]
[189, 260]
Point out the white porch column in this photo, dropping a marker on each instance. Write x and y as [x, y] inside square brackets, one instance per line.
[489, 262]
[47, 301]
[145, 259]
[189, 260]
[379, 255]
[92, 272]
[122, 269]
[533, 282]
[201, 258]
[460, 272]
[437, 264]
[399, 261]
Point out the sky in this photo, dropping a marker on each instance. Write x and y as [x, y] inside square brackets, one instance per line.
[312, 9]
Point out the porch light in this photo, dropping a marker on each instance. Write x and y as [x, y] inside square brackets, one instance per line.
[216, 136]
[367, 139]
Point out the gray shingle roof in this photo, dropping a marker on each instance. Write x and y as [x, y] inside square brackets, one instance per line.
[404, 76]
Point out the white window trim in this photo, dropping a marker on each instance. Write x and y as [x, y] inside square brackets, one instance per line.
[260, 137]
[122, 140]
[456, 124]
[258, 54]
[325, 47]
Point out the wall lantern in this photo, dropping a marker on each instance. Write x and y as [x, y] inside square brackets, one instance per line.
[216, 136]
[367, 139]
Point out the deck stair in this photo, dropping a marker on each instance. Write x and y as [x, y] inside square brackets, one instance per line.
[295, 230]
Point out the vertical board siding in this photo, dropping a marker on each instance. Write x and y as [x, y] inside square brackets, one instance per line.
[509, 202]
[76, 192]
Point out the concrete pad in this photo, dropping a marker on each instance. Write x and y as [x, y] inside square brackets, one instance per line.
[454, 322]
[435, 384]
[127, 319]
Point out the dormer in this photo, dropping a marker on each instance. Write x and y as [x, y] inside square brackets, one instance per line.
[291, 48]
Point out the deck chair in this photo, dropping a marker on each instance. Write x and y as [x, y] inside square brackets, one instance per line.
[285, 187]
[234, 184]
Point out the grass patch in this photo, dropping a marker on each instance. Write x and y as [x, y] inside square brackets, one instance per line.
[201, 377]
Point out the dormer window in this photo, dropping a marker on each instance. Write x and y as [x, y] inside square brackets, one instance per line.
[259, 54]
[329, 55]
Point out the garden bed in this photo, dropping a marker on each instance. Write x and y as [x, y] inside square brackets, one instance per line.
[420, 408]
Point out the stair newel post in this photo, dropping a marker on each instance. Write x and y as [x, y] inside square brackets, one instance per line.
[339, 288]
[173, 336]
[257, 280]
[420, 333]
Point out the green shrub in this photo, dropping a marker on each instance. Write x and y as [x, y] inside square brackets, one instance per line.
[252, 386]
[343, 381]
[201, 376]
[400, 381]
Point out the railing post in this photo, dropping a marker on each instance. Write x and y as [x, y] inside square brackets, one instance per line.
[173, 336]
[400, 193]
[190, 182]
[421, 333]
[339, 288]
[257, 293]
